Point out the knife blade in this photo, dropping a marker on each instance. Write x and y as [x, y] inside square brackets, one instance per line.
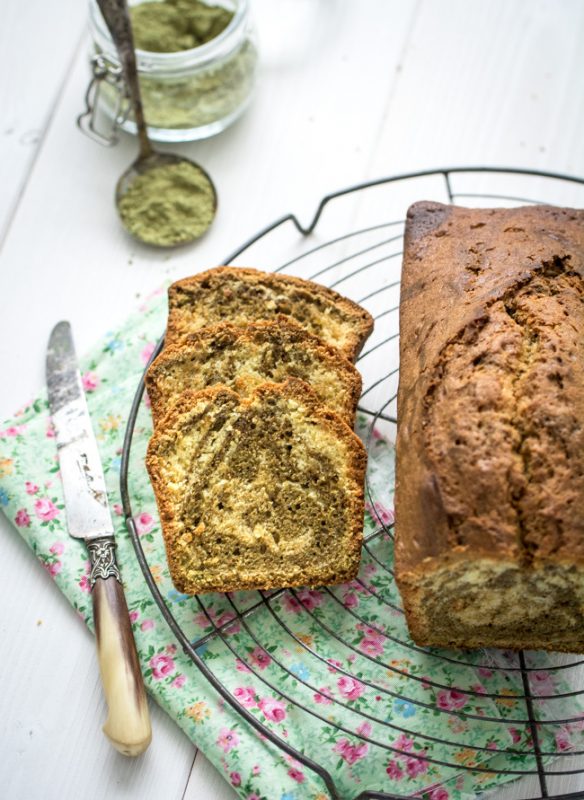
[88, 517]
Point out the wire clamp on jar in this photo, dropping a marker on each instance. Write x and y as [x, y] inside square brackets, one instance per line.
[103, 71]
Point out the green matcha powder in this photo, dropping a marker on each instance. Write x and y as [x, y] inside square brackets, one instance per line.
[174, 25]
[168, 205]
[184, 97]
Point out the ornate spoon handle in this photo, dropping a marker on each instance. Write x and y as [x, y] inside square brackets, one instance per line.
[117, 19]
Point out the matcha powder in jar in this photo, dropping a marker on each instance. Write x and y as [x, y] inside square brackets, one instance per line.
[196, 66]
[169, 26]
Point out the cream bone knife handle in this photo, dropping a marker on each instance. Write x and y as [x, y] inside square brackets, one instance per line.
[128, 722]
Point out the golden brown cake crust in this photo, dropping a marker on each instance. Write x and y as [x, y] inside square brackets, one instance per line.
[191, 407]
[490, 449]
[334, 318]
[280, 348]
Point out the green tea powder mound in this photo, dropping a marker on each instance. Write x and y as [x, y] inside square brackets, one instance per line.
[168, 26]
[168, 205]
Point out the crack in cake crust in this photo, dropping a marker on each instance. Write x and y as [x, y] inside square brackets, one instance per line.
[525, 347]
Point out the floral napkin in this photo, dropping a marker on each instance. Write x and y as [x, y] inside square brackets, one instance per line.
[331, 672]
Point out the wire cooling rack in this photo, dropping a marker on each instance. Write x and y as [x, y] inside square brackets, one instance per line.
[353, 243]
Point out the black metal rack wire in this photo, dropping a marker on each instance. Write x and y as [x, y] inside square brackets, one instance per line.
[364, 264]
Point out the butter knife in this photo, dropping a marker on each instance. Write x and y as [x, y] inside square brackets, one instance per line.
[88, 517]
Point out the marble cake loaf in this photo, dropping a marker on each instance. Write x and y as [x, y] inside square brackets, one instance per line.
[242, 295]
[490, 452]
[261, 491]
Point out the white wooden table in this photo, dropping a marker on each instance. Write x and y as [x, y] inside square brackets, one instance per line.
[348, 91]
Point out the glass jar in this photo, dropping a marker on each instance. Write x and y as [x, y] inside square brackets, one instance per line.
[187, 95]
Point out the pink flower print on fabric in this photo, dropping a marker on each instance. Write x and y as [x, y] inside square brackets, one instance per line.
[90, 381]
[45, 509]
[58, 548]
[563, 741]
[364, 729]
[202, 619]
[380, 513]
[403, 743]
[227, 739]
[179, 681]
[291, 604]
[118, 510]
[417, 766]
[272, 709]
[53, 568]
[147, 352]
[350, 688]
[542, 683]
[321, 696]
[439, 793]
[370, 633]
[162, 666]
[134, 616]
[13, 431]
[372, 646]
[260, 658]
[22, 518]
[394, 771]
[296, 775]
[451, 699]
[144, 523]
[148, 625]
[31, 488]
[235, 778]
[351, 753]
[224, 619]
[370, 569]
[515, 735]
[350, 600]
[246, 696]
[310, 598]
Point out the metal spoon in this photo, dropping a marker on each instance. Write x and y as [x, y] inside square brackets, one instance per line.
[117, 19]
